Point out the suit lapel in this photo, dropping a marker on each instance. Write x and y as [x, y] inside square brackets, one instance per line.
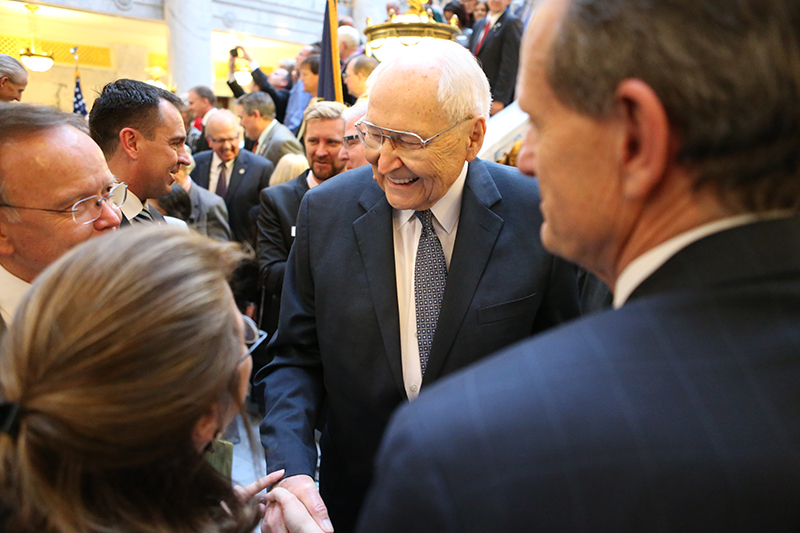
[478, 229]
[237, 176]
[374, 232]
[494, 31]
[202, 173]
[264, 147]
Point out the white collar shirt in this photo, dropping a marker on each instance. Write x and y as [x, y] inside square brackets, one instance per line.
[646, 264]
[213, 175]
[10, 297]
[406, 234]
[132, 206]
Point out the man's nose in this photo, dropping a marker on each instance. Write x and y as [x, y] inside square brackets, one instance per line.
[110, 216]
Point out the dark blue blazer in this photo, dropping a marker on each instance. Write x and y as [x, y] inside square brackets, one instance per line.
[678, 412]
[250, 174]
[499, 54]
[338, 341]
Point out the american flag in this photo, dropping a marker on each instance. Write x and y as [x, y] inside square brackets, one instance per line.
[78, 103]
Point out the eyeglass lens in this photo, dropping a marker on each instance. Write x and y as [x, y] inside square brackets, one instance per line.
[89, 209]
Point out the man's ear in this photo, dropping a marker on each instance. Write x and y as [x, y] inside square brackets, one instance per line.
[130, 140]
[645, 151]
[256, 114]
[476, 136]
[3, 80]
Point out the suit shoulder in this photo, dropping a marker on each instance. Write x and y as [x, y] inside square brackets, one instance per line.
[347, 185]
[202, 157]
[510, 180]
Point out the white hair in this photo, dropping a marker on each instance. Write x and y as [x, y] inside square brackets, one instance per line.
[349, 35]
[11, 68]
[357, 111]
[463, 88]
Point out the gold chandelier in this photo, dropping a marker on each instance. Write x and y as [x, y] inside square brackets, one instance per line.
[385, 41]
[33, 60]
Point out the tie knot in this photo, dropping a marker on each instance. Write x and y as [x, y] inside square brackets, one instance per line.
[426, 218]
[221, 165]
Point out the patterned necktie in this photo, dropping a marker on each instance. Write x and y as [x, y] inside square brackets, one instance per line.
[222, 186]
[144, 216]
[430, 277]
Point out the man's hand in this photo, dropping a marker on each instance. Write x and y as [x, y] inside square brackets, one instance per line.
[295, 515]
[245, 54]
[247, 493]
[305, 490]
[231, 65]
[496, 108]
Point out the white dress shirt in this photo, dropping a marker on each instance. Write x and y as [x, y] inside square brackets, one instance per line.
[13, 289]
[132, 206]
[213, 175]
[407, 230]
[643, 266]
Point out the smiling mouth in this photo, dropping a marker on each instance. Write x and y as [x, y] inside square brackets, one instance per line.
[405, 181]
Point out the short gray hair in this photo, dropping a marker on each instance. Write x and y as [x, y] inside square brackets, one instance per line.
[727, 74]
[257, 100]
[11, 68]
[349, 35]
[463, 88]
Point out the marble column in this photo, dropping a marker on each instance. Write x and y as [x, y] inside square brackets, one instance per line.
[189, 43]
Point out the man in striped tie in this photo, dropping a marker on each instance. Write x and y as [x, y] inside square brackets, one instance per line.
[140, 130]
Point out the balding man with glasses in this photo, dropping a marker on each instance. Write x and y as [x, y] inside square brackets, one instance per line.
[402, 272]
[56, 191]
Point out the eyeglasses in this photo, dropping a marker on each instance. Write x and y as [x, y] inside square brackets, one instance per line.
[89, 209]
[408, 143]
[222, 141]
[252, 335]
[350, 141]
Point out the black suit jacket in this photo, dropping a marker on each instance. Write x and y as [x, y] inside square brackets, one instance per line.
[499, 54]
[678, 412]
[277, 219]
[250, 174]
[338, 342]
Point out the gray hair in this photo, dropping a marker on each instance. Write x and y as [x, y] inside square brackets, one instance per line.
[727, 74]
[349, 35]
[19, 120]
[11, 68]
[463, 88]
[257, 100]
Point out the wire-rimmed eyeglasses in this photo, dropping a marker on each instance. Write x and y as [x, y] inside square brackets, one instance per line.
[405, 142]
[87, 210]
[252, 335]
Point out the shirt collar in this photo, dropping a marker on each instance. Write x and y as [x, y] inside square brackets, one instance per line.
[447, 209]
[11, 295]
[263, 136]
[215, 161]
[132, 206]
[643, 266]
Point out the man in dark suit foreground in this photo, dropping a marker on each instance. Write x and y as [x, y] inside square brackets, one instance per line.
[401, 273]
[235, 175]
[664, 137]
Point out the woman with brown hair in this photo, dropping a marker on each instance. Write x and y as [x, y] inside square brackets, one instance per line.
[124, 363]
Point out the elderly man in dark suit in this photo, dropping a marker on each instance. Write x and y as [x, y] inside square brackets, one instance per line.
[495, 42]
[678, 411]
[235, 175]
[402, 272]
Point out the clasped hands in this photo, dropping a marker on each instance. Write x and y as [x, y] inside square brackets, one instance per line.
[292, 506]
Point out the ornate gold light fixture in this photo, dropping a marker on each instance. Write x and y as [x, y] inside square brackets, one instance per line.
[384, 41]
[33, 60]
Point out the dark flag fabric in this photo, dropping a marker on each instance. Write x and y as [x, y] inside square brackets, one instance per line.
[78, 103]
[330, 70]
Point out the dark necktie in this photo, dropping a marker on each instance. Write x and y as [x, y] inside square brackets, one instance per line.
[222, 185]
[430, 277]
[144, 216]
